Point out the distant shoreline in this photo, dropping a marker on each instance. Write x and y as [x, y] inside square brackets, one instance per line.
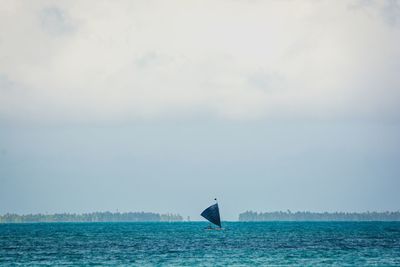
[251, 216]
[91, 217]
[248, 216]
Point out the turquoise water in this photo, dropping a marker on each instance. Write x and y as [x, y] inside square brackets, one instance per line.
[176, 244]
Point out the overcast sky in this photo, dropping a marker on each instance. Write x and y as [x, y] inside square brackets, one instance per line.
[163, 105]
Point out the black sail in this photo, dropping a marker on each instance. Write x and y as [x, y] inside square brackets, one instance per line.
[212, 214]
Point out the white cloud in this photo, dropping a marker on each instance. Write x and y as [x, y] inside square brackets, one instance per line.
[122, 60]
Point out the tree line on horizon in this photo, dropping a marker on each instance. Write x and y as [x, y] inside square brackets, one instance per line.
[91, 217]
[318, 216]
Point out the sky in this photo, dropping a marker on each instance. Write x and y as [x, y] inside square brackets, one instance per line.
[163, 105]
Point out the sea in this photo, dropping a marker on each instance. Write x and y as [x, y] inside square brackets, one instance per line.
[188, 244]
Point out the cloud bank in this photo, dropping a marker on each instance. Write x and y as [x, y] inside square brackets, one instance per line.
[236, 60]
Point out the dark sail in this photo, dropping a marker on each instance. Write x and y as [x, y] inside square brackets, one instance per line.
[212, 214]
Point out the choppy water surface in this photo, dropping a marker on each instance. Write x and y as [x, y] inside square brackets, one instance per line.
[255, 243]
